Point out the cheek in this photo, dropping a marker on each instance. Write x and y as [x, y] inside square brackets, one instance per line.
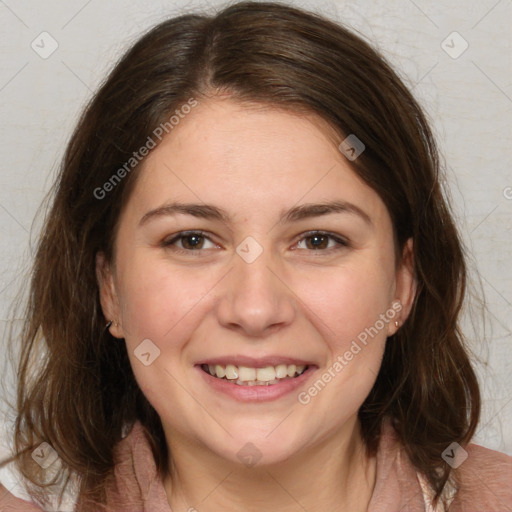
[160, 303]
[165, 306]
[345, 302]
[348, 308]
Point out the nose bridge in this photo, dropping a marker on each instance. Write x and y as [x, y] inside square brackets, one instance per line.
[255, 298]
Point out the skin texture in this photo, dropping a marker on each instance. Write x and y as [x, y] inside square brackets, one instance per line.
[293, 300]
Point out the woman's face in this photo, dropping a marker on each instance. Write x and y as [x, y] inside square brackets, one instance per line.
[255, 289]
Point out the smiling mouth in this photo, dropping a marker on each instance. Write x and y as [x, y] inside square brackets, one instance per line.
[247, 376]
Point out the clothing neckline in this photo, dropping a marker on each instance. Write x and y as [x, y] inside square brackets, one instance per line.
[397, 483]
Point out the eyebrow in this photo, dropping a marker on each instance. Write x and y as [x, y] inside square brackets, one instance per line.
[294, 214]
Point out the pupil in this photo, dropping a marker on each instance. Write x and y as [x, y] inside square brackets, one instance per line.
[195, 243]
[317, 240]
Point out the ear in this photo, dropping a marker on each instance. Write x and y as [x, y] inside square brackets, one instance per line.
[108, 295]
[405, 290]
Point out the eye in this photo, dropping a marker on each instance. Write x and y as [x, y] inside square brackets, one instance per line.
[188, 241]
[320, 240]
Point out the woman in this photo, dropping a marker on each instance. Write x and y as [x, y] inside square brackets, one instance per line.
[248, 287]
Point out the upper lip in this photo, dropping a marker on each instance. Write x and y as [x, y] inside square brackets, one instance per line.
[255, 362]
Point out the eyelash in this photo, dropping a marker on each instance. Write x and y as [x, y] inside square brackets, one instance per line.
[341, 243]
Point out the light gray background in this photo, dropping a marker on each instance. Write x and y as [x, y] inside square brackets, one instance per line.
[468, 99]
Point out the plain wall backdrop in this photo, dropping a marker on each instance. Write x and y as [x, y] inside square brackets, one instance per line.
[455, 56]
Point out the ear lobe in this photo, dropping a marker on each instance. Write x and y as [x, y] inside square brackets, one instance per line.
[406, 285]
[108, 295]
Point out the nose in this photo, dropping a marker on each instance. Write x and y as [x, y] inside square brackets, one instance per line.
[255, 299]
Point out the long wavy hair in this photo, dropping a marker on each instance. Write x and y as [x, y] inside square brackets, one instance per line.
[76, 388]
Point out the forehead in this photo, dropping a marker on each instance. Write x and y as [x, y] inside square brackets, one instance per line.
[250, 157]
[241, 134]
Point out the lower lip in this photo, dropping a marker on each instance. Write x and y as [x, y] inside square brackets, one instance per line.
[255, 393]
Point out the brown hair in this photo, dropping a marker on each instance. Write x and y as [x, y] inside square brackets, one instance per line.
[82, 393]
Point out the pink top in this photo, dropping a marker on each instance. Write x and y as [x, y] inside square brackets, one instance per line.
[486, 477]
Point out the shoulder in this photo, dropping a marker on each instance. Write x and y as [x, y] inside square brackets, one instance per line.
[135, 480]
[482, 459]
[483, 480]
[136, 483]
[10, 503]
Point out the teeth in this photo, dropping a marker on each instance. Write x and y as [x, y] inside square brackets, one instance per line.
[244, 375]
[266, 374]
[219, 371]
[281, 371]
[256, 382]
[231, 372]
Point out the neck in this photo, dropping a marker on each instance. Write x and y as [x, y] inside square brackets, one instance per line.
[332, 474]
